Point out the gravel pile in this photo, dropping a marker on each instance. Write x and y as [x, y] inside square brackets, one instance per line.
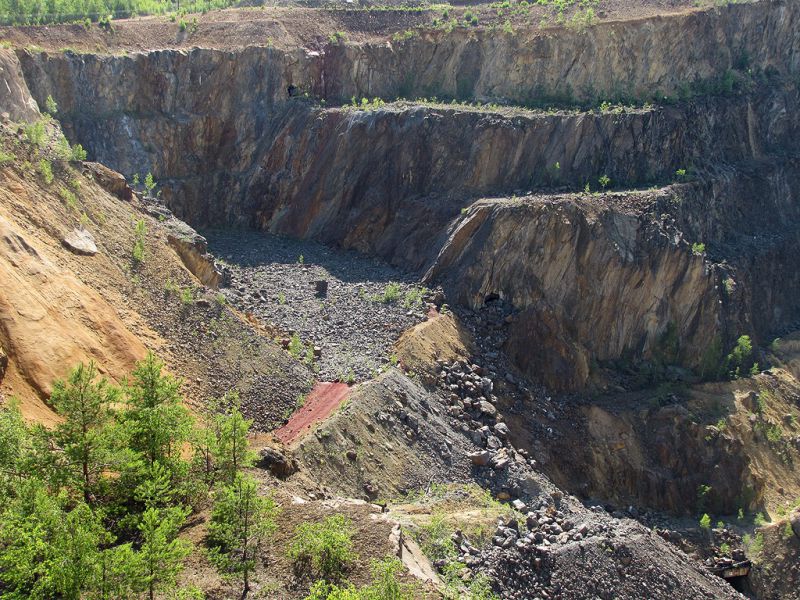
[349, 307]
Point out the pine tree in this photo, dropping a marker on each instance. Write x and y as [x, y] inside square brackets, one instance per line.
[120, 574]
[240, 520]
[74, 565]
[157, 422]
[84, 435]
[233, 452]
[221, 446]
[161, 553]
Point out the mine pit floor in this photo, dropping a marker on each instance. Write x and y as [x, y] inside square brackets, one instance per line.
[353, 324]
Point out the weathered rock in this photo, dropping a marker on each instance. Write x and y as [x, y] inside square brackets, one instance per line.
[277, 462]
[15, 98]
[480, 458]
[488, 409]
[193, 250]
[80, 241]
[108, 179]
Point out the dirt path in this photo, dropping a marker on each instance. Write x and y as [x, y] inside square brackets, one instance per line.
[321, 401]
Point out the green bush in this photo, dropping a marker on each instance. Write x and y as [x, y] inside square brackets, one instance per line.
[36, 133]
[240, 521]
[324, 548]
[739, 360]
[139, 233]
[391, 293]
[434, 539]
[46, 169]
[385, 585]
[50, 106]
[338, 38]
[78, 153]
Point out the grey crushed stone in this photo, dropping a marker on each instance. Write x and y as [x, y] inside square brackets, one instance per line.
[354, 331]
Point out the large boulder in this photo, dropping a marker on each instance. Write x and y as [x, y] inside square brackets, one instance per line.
[794, 520]
[277, 463]
[108, 179]
[80, 241]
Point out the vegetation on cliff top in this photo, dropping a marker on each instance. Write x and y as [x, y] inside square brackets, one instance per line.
[36, 12]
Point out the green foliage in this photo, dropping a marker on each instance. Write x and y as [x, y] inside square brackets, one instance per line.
[729, 285]
[385, 585]
[240, 521]
[230, 451]
[14, 436]
[338, 38]
[46, 170]
[155, 419]
[681, 173]
[725, 549]
[582, 19]
[50, 106]
[67, 494]
[6, 157]
[479, 588]
[391, 293]
[702, 496]
[45, 550]
[161, 554]
[186, 295]
[753, 546]
[36, 133]
[295, 346]
[85, 436]
[149, 184]
[78, 153]
[787, 532]
[604, 181]
[739, 360]
[760, 520]
[324, 548]
[139, 234]
[414, 297]
[705, 522]
[434, 539]
[33, 12]
[365, 104]
[698, 248]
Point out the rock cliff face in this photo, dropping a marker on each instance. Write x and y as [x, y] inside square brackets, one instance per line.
[231, 140]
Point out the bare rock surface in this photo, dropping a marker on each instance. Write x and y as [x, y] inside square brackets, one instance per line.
[80, 241]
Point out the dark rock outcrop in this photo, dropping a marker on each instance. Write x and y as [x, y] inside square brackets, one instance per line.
[277, 463]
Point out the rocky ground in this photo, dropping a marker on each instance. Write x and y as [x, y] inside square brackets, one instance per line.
[348, 328]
